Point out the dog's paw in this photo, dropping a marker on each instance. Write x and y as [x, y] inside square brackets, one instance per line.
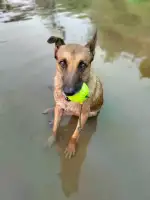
[51, 141]
[70, 150]
[48, 110]
[51, 122]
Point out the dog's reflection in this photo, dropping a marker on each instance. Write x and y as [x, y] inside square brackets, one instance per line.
[70, 169]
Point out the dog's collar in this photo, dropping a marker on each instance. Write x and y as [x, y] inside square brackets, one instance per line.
[66, 98]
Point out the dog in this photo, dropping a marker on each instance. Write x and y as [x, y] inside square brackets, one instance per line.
[73, 67]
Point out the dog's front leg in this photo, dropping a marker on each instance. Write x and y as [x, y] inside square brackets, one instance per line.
[71, 148]
[58, 113]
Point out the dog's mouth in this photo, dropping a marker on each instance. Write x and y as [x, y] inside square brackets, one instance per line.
[70, 91]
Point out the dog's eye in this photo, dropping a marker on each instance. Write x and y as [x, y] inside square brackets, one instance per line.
[63, 64]
[82, 66]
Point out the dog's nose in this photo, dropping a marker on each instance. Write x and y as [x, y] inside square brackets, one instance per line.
[69, 91]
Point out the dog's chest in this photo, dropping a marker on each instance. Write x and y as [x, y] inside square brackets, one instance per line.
[67, 105]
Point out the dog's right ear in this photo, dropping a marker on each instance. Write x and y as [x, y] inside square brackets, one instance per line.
[58, 42]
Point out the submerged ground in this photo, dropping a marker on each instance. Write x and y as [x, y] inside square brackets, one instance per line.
[113, 159]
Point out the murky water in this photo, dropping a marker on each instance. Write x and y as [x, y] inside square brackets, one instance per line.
[113, 159]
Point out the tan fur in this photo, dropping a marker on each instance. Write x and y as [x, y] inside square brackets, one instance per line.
[74, 54]
[94, 102]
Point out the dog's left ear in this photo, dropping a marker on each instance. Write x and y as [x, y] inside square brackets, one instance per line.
[92, 44]
[58, 42]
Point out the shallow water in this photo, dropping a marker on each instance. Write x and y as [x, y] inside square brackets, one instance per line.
[113, 159]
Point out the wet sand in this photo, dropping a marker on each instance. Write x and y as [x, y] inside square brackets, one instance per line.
[113, 159]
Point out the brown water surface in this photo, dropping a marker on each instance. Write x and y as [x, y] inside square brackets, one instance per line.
[113, 158]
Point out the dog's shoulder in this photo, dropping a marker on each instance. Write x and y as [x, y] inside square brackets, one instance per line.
[96, 91]
[94, 83]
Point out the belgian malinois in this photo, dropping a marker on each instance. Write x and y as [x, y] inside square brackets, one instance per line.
[73, 67]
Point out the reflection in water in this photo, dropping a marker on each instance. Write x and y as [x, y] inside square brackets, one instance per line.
[76, 5]
[18, 10]
[119, 5]
[122, 26]
[71, 169]
[114, 43]
[145, 68]
[126, 25]
[48, 10]
[124, 136]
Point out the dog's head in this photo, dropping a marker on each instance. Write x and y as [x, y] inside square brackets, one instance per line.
[73, 62]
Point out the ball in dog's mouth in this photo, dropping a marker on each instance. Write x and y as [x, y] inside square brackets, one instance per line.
[80, 96]
[72, 90]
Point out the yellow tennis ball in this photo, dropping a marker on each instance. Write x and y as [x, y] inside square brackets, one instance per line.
[80, 96]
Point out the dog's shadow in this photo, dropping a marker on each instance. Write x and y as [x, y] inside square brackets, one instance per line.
[70, 169]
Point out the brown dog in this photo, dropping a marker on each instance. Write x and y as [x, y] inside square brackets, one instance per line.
[73, 67]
